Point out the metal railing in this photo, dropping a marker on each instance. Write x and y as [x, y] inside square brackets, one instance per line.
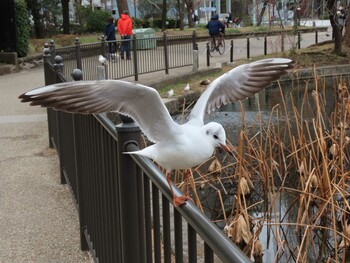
[124, 201]
[147, 55]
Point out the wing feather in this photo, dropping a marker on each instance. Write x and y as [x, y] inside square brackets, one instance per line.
[139, 102]
[240, 83]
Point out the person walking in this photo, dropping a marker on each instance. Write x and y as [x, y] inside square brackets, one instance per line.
[125, 30]
[110, 37]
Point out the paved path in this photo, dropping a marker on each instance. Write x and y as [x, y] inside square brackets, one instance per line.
[38, 218]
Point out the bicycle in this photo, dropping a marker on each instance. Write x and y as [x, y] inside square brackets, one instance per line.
[217, 44]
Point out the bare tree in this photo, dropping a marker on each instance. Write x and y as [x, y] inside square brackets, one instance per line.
[262, 12]
[122, 5]
[337, 37]
[35, 7]
[65, 15]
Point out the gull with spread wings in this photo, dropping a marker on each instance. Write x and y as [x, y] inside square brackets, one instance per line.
[175, 146]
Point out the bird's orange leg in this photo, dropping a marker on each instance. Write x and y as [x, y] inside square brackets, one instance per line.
[177, 200]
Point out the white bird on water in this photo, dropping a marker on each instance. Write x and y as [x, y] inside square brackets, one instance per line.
[175, 146]
[102, 60]
[187, 87]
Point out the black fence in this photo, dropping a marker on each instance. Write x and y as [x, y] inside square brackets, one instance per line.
[147, 55]
[124, 202]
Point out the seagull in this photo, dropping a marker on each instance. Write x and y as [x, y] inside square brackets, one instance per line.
[187, 88]
[170, 93]
[176, 146]
[102, 60]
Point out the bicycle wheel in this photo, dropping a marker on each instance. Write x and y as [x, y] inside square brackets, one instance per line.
[211, 47]
[221, 47]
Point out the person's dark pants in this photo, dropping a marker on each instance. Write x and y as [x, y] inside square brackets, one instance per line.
[111, 47]
[125, 47]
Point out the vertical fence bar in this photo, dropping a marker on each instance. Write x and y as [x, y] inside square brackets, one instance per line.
[166, 58]
[208, 55]
[132, 246]
[316, 36]
[231, 51]
[248, 47]
[166, 230]
[208, 254]
[148, 219]
[265, 45]
[299, 40]
[136, 67]
[192, 244]
[178, 237]
[156, 224]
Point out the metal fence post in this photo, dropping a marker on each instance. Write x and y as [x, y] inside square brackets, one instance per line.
[248, 47]
[52, 50]
[282, 42]
[136, 68]
[58, 67]
[265, 45]
[78, 53]
[208, 55]
[166, 58]
[132, 229]
[299, 40]
[103, 45]
[231, 51]
[316, 36]
[194, 40]
[49, 79]
[78, 75]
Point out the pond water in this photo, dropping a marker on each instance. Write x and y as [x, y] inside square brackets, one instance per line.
[275, 239]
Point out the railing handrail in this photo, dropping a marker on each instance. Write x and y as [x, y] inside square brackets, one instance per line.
[223, 247]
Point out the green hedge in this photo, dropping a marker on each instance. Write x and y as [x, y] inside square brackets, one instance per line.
[22, 27]
[96, 21]
[156, 23]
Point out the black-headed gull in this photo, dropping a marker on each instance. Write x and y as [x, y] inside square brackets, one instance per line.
[175, 146]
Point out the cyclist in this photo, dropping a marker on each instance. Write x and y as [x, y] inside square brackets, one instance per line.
[216, 28]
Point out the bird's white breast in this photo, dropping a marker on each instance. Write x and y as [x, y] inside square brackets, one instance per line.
[188, 149]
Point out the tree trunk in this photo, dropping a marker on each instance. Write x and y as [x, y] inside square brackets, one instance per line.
[35, 7]
[65, 15]
[180, 6]
[347, 31]
[122, 5]
[164, 10]
[335, 27]
[189, 7]
[262, 13]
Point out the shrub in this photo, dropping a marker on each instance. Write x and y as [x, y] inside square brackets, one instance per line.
[22, 27]
[96, 21]
[170, 23]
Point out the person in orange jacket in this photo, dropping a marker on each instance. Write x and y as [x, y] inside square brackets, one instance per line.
[125, 30]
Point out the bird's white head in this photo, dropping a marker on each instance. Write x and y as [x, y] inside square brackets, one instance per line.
[216, 135]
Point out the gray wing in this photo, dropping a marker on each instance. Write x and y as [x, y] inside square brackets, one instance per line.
[139, 102]
[240, 83]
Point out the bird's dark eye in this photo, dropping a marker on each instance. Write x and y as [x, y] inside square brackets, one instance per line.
[215, 137]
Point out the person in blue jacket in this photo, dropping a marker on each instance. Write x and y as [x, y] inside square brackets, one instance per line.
[216, 27]
[110, 35]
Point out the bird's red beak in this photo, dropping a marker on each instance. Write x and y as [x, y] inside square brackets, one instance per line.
[226, 149]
